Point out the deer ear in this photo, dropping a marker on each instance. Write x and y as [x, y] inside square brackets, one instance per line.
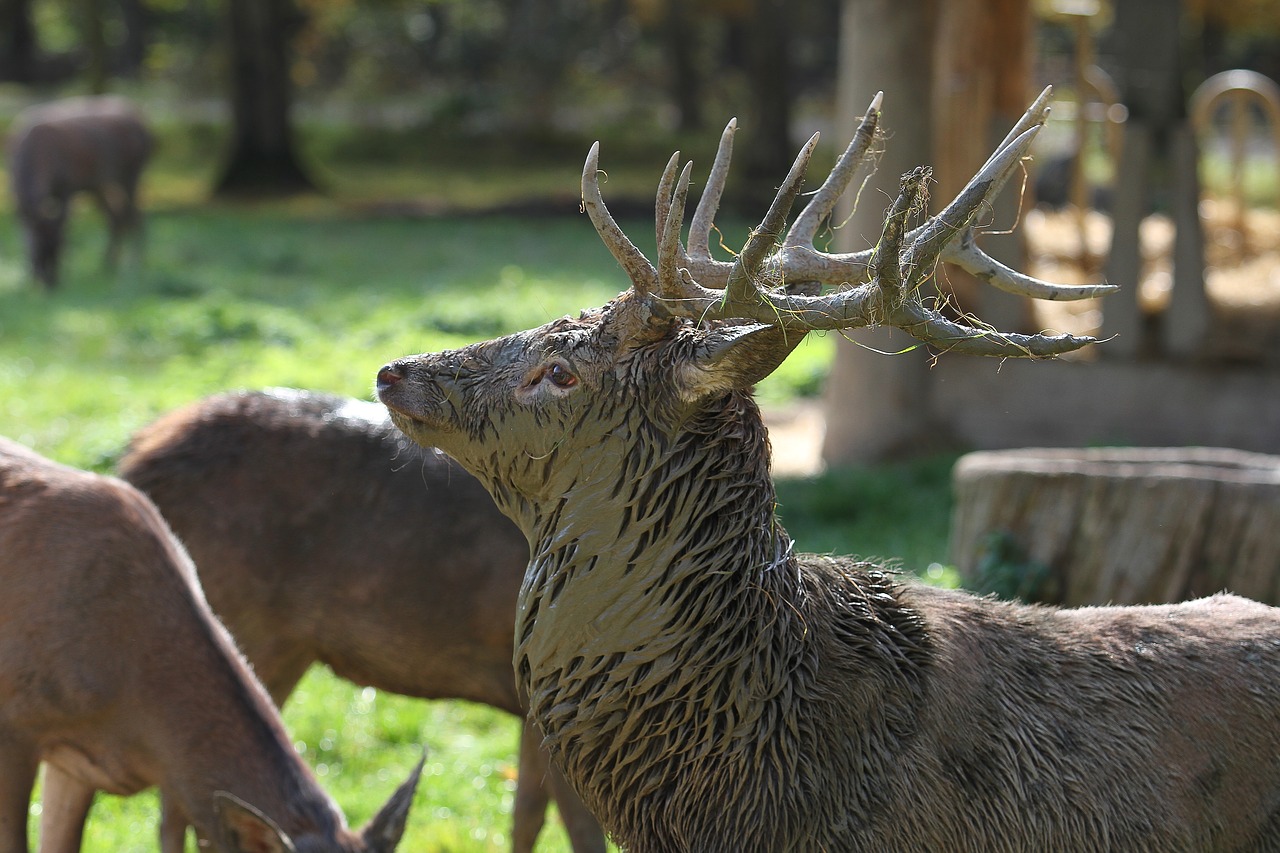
[733, 358]
[383, 832]
[244, 829]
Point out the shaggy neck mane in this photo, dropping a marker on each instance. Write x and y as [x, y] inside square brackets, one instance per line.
[664, 629]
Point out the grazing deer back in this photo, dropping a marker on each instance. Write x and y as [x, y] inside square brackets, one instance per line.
[93, 145]
[318, 528]
[707, 688]
[321, 534]
[116, 673]
[76, 145]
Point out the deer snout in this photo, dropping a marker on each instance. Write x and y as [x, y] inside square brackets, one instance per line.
[390, 375]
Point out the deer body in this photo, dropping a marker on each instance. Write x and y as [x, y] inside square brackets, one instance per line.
[707, 688]
[115, 674]
[95, 145]
[321, 535]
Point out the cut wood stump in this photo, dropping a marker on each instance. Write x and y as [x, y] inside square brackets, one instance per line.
[1123, 525]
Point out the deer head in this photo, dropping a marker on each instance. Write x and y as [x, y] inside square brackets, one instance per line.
[531, 412]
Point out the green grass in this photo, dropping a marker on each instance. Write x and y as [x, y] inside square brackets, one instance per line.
[313, 295]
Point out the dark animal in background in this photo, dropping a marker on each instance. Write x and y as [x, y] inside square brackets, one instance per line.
[707, 688]
[98, 146]
[115, 674]
[321, 534]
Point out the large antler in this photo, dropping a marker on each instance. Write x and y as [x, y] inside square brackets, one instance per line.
[877, 286]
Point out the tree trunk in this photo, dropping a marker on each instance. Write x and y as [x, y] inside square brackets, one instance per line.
[19, 47]
[1121, 526]
[877, 405]
[679, 35]
[765, 140]
[95, 46]
[133, 49]
[982, 85]
[263, 158]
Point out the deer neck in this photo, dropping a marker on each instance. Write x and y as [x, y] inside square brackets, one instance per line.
[634, 575]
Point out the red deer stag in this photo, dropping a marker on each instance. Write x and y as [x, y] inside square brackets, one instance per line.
[321, 534]
[706, 688]
[57, 150]
[115, 674]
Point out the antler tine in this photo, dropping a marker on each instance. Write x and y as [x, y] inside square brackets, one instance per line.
[741, 286]
[966, 255]
[1035, 116]
[709, 202]
[642, 274]
[932, 328]
[662, 204]
[887, 264]
[963, 209]
[805, 228]
[938, 237]
[670, 252]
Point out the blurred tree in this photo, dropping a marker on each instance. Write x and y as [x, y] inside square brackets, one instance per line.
[19, 48]
[95, 45]
[679, 37]
[263, 158]
[768, 63]
[878, 406]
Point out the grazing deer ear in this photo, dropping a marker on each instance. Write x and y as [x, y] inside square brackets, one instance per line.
[383, 832]
[247, 830]
[733, 357]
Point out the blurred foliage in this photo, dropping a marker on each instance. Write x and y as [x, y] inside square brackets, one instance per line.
[1005, 570]
[479, 63]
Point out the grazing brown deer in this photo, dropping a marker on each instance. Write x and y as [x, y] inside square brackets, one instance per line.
[706, 688]
[94, 145]
[322, 535]
[116, 675]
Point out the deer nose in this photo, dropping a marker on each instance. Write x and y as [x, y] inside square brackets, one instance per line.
[390, 374]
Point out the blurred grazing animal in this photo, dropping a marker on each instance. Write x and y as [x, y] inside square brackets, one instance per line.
[96, 145]
[321, 534]
[116, 675]
[706, 688]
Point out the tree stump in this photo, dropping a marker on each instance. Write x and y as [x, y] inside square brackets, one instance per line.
[1123, 525]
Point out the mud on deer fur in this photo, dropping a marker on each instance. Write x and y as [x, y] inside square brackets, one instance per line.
[115, 674]
[706, 687]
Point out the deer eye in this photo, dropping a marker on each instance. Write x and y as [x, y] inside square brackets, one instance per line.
[561, 376]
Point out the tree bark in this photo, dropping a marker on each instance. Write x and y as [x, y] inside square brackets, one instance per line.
[1123, 526]
[263, 159]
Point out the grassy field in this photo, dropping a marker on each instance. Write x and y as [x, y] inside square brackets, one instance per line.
[318, 294]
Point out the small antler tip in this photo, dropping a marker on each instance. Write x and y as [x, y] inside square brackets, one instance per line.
[877, 102]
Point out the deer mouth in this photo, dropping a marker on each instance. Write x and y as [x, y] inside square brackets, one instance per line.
[415, 407]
